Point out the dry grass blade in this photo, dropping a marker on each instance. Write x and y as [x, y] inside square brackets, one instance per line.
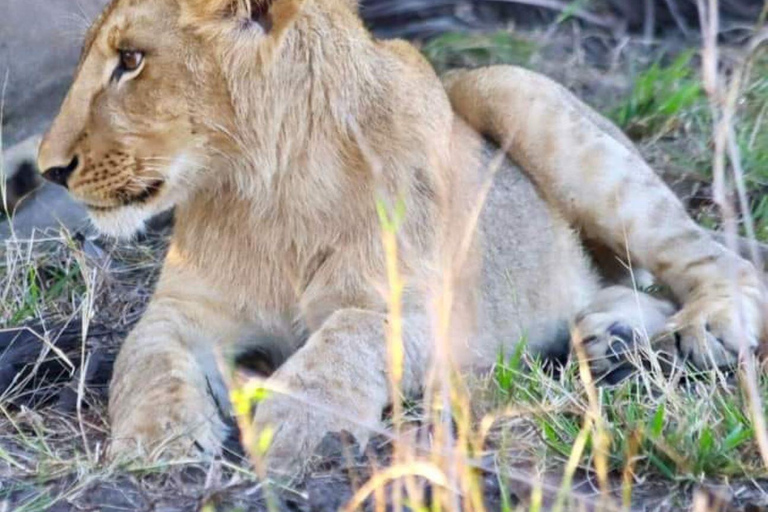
[425, 470]
[723, 96]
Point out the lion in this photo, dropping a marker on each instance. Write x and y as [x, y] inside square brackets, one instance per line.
[280, 130]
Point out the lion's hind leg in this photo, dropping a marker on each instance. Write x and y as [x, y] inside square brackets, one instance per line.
[619, 327]
[595, 178]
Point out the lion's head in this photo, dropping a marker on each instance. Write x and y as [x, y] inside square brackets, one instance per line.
[150, 103]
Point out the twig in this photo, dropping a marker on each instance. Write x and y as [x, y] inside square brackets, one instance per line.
[649, 24]
[722, 97]
[679, 20]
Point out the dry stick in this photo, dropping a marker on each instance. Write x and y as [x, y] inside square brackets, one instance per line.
[735, 157]
[649, 24]
[3, 195]
[87, 315]
[425, 470]
[389, 220]
[593, 420]
[444, 306]
[674, 10]
[722, 105]
[394, 335]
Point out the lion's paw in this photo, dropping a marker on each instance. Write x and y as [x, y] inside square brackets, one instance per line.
[713, 328]
[609, 348]
[168, 429]
[297, 427]
[617, 327]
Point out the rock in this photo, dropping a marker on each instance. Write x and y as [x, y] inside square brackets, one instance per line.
[19, 173]
[39, 48]
[36, 206]
[48, 209]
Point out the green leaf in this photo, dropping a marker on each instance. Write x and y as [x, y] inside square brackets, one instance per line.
[657, 421]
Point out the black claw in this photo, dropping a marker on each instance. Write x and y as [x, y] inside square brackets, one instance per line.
[617, 350]
[733, 350]
[621, 331]
[619, 374]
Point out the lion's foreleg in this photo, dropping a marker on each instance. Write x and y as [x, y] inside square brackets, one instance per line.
[166, 394]
[338, 381]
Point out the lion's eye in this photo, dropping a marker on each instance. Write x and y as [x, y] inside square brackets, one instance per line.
[130, 60]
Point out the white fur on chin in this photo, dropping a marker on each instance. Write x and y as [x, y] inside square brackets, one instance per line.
[122, 223]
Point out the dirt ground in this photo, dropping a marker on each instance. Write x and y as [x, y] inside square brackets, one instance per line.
[53, 430]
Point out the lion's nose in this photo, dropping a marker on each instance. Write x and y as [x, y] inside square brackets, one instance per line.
[60, 174]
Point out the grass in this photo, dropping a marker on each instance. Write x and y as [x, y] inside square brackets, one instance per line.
[663, 98]
[48, 281]
[667, 107]
[683, 433]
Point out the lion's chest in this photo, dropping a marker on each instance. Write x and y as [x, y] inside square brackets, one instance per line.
[266, 270]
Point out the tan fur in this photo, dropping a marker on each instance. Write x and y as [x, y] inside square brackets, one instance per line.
[274, 129]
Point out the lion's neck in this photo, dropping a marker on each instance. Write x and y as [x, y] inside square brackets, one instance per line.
[313, 139]
[297, 120]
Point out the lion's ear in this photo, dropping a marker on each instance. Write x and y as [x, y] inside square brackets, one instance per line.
[268, 13]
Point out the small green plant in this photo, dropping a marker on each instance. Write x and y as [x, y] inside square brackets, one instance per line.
[570, 10]
[473, 50]
[660, 98]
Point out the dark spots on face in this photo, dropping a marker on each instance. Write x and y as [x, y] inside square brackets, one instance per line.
[115, 176]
